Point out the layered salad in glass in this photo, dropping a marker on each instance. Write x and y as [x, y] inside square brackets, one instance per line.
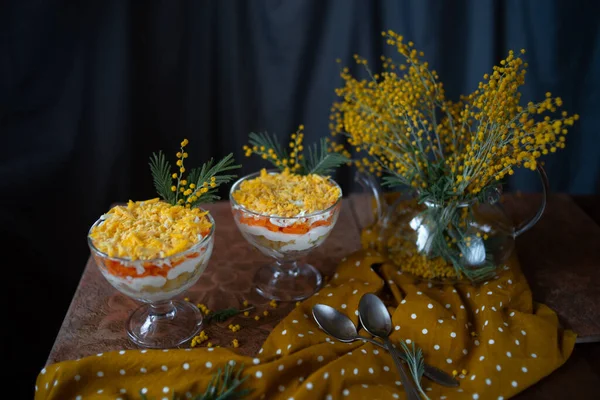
[151, 250]
[285, 214]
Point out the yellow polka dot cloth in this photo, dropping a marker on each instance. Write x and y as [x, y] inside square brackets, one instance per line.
[494, 332]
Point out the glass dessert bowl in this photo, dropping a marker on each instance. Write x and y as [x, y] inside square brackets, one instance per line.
[287, 239]
[153, 257]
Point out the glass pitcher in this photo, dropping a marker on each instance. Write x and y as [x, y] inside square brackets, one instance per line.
[446, 243]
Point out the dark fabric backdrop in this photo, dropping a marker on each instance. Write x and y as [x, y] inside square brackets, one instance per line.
[88, 89]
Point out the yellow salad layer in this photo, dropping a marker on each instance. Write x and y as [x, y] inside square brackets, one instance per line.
[145, 230]
[287, 195]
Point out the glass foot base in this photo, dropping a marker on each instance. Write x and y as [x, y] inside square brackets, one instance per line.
[164, 325]
[288, 282]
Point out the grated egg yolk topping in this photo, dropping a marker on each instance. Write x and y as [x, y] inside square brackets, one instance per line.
[145, 230]
[287, 195]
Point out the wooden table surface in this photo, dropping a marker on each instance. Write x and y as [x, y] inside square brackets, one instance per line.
[560, 257]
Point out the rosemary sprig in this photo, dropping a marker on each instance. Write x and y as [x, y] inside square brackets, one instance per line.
[416, 364]
[201, 184]
[225, 314]
[224, 385]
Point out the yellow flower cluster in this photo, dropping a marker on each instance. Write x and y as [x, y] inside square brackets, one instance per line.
[507, 135]
[234, 328]
[462, 373]
[188, 190]
[286, 194]
[199, 339]
[205, 310]
[292, 162]
[235, 343]
[404, 255]
[399, 246]
[403, 121]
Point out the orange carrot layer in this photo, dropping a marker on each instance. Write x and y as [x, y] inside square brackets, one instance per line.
[298, 228]
[122, 271]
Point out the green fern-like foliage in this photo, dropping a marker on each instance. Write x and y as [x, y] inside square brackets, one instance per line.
[161, 175]
[225, 314]
[320, 161]
[317, 160]
[199, 186]
[263, 141]
[211, 176]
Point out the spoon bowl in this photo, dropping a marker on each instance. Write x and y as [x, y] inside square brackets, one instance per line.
[334, 323]
[374, 316]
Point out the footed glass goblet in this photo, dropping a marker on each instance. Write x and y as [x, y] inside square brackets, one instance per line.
[287, 240]
[160, 322]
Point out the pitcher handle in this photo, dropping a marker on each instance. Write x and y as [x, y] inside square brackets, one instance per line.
[545, 189]
[371, 185]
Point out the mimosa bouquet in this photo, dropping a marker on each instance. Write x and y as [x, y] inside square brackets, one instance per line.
[452, 153]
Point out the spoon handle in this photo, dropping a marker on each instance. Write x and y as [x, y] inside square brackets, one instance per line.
[409, 386]
[431, 372]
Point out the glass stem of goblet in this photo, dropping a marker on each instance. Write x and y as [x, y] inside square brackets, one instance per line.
[162, 310]
[289, 268]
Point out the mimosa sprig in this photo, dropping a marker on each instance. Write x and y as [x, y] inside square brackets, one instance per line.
[200, 185]
[317, 160]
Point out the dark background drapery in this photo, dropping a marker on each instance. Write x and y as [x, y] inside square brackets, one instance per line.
[88, 90]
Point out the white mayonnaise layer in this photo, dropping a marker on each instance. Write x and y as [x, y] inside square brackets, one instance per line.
[285, 222]
[295, 242]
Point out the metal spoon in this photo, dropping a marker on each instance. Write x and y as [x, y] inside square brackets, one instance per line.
[376, 320]
[338, 325]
